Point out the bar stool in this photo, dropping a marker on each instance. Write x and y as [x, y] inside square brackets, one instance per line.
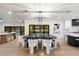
[21, 41]
[8, 37]
[11, 37]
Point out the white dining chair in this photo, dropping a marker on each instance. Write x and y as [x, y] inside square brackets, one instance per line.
[47, 43]
[32, 43]
[21, 42]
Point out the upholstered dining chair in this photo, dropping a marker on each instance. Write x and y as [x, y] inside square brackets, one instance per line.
[32, 43]
[47, 43]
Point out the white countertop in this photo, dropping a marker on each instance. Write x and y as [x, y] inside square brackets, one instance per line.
[73, 34]
[4, 33]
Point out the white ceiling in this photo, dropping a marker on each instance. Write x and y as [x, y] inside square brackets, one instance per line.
[37, 6]
[5, 7]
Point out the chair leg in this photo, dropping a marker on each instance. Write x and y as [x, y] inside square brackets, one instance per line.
[47, 50]
[23, 44]
[42, 47]
[58, 44]
[19, 44]
[31, 50]
[37, 47]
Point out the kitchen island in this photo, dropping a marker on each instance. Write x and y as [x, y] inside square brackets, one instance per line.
[73, 39]
[6, 37]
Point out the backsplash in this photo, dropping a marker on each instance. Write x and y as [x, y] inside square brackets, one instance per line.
[74, 29]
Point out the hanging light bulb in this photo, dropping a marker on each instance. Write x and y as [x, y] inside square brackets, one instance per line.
[0, 20]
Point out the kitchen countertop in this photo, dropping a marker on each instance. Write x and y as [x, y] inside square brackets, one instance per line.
[6, 33]
[73, 34]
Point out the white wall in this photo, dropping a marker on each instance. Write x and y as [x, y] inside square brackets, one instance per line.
[9, 20]
[1, 27]
[68, 22]
[45, 21]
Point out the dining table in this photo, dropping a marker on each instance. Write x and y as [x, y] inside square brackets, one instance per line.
[39, 41]
[41, 37]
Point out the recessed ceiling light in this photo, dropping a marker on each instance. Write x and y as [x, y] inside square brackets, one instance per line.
[0, 20]
[9, 12]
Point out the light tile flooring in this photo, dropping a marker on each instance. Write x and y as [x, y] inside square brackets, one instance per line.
[11, 49]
